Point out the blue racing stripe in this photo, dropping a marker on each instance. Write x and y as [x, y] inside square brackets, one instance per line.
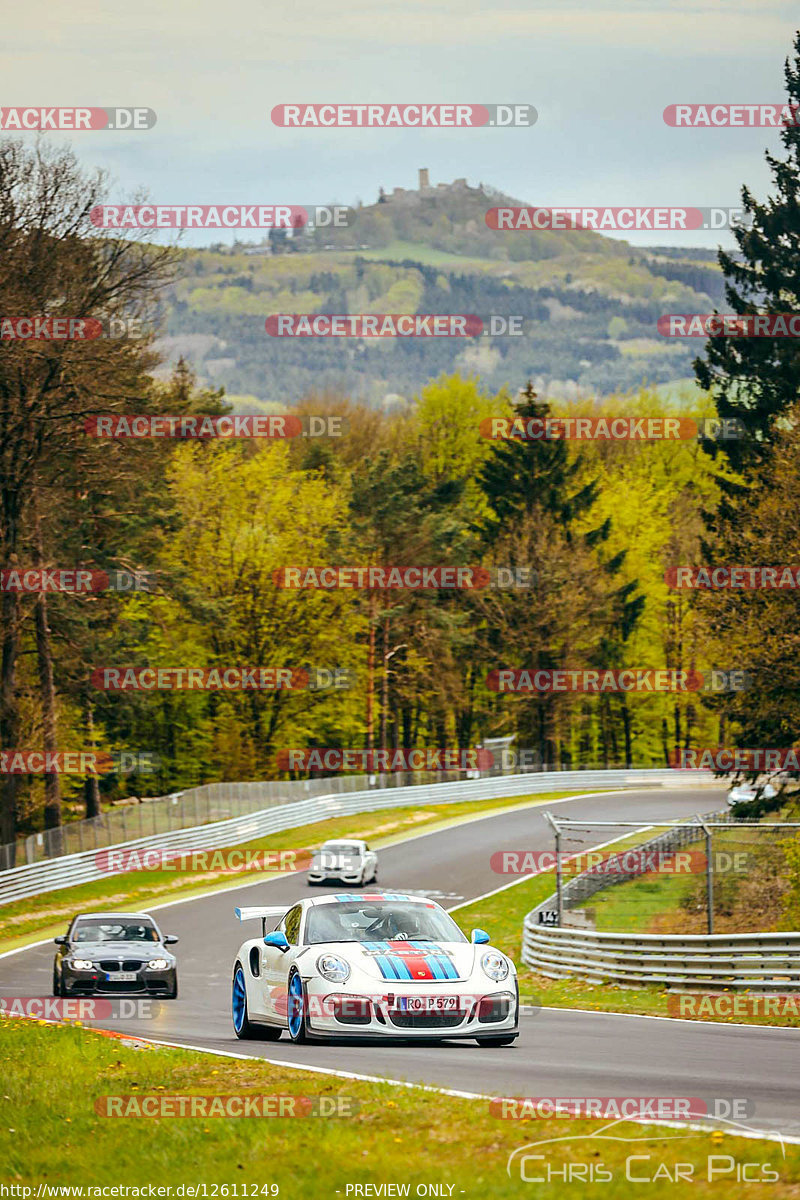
[390, 966]
[435, 957]
[434, 964]
[448, 967]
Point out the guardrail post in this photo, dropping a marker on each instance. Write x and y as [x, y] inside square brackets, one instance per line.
[709, 874]
[559, 895]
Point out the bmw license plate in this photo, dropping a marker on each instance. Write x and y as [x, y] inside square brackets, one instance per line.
[121, 977]
[427, 1003]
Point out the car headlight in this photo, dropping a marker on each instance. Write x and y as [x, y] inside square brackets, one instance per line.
[81, 964]
[157, 964]
[494, 965]
[334, 969]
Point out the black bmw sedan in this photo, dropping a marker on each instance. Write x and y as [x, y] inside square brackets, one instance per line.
[109, 953]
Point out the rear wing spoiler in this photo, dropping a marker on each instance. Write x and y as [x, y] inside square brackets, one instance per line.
[263, 914]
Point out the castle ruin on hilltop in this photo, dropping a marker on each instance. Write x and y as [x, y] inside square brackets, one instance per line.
[399, 195]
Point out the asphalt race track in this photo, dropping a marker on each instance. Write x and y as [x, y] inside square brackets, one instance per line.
[559, 1053]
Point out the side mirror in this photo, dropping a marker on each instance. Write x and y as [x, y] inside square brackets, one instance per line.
[60, 941]
[278, 940]
[170, 939]
[480, 937]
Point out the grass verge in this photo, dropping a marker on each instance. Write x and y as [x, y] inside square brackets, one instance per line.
[51, 1134]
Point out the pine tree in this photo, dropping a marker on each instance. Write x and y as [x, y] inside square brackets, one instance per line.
[523, 476]
[755, 379]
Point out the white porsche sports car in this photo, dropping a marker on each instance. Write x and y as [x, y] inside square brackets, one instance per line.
[346, 860]
[373, 966]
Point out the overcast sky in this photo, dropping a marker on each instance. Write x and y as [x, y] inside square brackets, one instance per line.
[599, 74]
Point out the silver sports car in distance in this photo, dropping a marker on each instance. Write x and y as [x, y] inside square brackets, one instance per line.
[744, 793]
[346, 860]
[111, 953]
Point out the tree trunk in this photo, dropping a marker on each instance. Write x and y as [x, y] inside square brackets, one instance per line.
[626, 726]
[370, 671]
[9, 725]
[91, 787]
[44, 663]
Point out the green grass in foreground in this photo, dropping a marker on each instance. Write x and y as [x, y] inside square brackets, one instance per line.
[503, 914]
[52, 1134]
[47, 913]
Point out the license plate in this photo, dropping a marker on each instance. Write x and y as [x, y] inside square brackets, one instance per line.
[427, 1003]
[121, 977]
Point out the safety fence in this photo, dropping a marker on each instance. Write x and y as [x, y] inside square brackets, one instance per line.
[628, 866]
[762, 961]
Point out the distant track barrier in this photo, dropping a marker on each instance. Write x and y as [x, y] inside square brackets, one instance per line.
[277, 806]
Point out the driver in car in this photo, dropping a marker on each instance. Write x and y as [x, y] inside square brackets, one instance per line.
[395, 927]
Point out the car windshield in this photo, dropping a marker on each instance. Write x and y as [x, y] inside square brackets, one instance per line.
[102, 930]
[360, 921]
[341, 848]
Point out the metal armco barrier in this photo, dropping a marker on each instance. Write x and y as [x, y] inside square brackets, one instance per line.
[51, 874]
[749, 960]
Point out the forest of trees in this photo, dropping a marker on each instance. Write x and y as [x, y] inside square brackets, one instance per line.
[209, 522]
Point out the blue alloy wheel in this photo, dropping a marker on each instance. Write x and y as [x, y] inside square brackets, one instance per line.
[239, 1002]
[296, 1007]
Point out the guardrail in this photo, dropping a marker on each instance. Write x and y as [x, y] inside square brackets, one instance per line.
[747, 960]
[52, 874]
[204, 804]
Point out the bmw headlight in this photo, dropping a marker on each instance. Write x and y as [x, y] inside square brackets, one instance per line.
[495, 965]
[332, 968]
[81, 964]
[157, 964]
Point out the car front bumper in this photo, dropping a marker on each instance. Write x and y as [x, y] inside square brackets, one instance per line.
[486, 1012]
[334, 876]
[95, 983]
